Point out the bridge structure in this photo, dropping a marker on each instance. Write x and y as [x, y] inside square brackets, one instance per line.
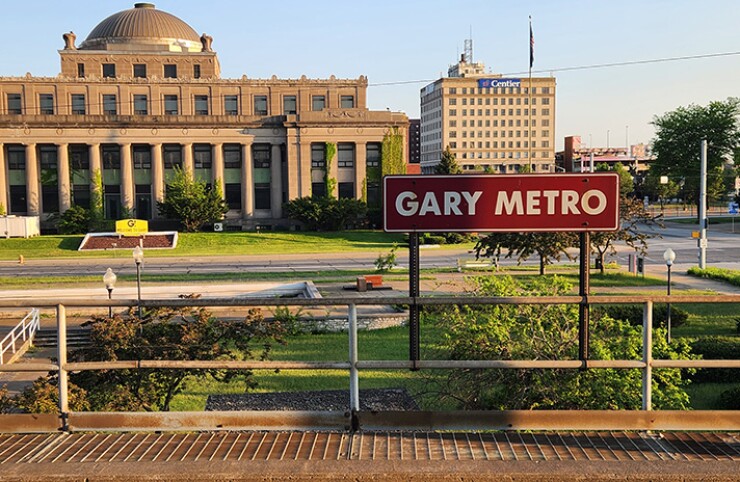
[643, 444]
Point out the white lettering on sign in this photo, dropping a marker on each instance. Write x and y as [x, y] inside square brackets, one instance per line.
[565, 202]
[452, 203]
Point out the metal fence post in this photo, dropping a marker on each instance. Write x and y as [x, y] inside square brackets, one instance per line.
[647, 356]
[62, 357]
[354, 381]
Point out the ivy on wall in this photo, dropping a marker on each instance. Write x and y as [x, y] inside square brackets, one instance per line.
[391, 154]
[330, 182]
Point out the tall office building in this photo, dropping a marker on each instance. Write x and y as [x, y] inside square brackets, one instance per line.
[490, 123]
[142, 94]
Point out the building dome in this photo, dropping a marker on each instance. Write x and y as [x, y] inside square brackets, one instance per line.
[143, 28]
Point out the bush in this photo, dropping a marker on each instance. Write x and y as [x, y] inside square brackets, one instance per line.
[727, 275]
[443, 238]
[327, 214]
[729, 399]
[633, 314]
[717, 348]
[75, 220]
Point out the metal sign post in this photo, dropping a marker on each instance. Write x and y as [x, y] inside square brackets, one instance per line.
[414, 351]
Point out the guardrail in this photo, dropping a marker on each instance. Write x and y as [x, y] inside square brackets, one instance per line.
[23, 331]
[353, 418]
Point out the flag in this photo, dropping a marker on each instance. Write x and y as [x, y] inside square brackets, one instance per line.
[531, 44]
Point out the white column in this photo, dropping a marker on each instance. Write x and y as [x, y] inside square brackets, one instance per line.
[276, 182]
[217, 169]
[247, 182]
[157, 173]
[3, 182]
[360, 168]
[96, 168]
[127, 177]
[33, 207]
[65, 197]
[187, 158]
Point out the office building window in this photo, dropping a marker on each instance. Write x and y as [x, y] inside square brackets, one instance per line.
[347, 101]
[201, 105]
[47, 157]
[373, 154]
[81, 195]
[202, 157]
[14, 104]
[233, 196]
[318, 190]
[140, 71]
[231, 105]
[170, 105]
[261, 155]
[346, 190]
[170, 71]
[141, 104]
[111, 154]
[232, 156]
[346, 155]
[289, 105]
[318, 155]
[318, 102]
[109, 104]
[196, 71]
[46, 104]
[262, 195]
[78, 104]
[50, 198]
[260, 105]
[172, 156]
[109, 70]
[80, 70]
[79, 157]
[142, 156]
[16, 157]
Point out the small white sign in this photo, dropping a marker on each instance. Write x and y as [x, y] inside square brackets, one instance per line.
[218, 227]
[703, 242]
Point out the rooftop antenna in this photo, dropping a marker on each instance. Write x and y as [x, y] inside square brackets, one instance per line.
[469, 47]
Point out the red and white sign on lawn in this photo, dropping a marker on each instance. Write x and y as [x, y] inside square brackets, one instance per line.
[503, 203]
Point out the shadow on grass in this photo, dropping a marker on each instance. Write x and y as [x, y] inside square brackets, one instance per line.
[70, 243]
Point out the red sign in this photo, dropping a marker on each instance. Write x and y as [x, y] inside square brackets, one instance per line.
[503, 203]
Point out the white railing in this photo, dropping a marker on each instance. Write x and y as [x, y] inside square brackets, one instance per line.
[23, 332]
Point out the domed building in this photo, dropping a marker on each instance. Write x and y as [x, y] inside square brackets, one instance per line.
[142, 95]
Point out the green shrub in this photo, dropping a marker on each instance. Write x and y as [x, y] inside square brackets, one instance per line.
[727, 275]
[729, 399]
[717, 348]
[327, 214]
[75, 220]
[633, 314]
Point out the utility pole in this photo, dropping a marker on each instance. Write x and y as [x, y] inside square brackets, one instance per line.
[703, 221]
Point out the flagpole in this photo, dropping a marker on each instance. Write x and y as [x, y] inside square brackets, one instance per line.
[531, 59]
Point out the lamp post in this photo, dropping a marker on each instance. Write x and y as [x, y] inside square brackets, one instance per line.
[109, 278]
[138, 254]
[669, 256]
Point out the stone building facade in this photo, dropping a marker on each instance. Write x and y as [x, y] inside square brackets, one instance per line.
[143, 95]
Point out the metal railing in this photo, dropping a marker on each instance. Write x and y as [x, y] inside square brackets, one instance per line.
[24, 332]
[353, 418]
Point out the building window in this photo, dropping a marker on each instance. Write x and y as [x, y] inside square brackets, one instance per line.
[16, 156]
[142, 155]
[109, 70]
[232, 156]
[202, 157]
[233, 195]
[111, 154]
[373, 154]
[172, 156]
[109, 104]
[262, 195]
[46, 104]
[318, 190]
[289, 105]
[78, 104]
[545, 111]
[347, 101]
[14, 104]
[170, 71]
[196, 71]
[346, 190]
[170, 105]
[50, 198]
[318, 155]
[47, 157]
[318, 102]
[140, 71]
[231, 105]
[260, 105]
[79, 157]
[81, 195]
[141, 104]
[201, 105]
[80, 70]
[261, 155]
[346, 155]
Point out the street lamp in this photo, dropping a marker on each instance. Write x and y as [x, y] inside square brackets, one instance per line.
[109, 278]
[138, 259]
[669, 256]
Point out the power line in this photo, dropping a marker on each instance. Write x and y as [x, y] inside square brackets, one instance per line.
[581, 67]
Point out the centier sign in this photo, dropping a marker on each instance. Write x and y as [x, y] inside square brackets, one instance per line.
[502, 203]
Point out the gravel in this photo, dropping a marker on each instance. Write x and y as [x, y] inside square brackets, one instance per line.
[129, 242]
[328, 400]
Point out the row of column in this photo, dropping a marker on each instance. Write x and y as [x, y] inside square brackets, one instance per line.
[158, 181]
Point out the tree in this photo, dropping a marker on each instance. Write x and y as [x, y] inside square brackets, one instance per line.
[448, 163]
[678, 135]
[191, 202]
[546, 332]
[653, 187]
[548, 246]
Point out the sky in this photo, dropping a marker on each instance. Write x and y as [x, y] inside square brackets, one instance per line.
[403, 45]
